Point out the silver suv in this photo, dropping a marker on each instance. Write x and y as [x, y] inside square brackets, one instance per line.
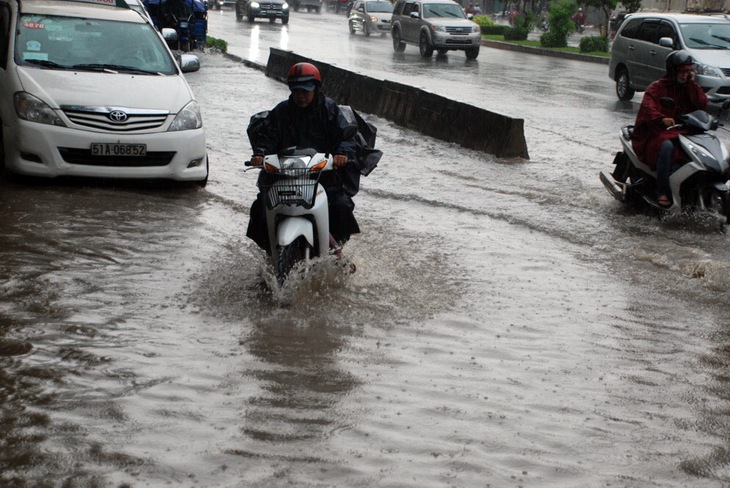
[439, 25]
[643, 42]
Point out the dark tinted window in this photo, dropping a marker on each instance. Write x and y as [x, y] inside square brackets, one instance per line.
[667, 30]
[398, 10]
[410, 7]
[649, 31]
[631, 29]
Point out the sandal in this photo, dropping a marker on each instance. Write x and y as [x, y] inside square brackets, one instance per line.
[663, 201]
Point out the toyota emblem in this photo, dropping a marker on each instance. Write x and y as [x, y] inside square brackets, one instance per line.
[117, 116]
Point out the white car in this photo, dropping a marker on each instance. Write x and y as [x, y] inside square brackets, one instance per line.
[92, 90]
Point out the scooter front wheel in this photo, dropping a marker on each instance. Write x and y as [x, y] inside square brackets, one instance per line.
[289, 256]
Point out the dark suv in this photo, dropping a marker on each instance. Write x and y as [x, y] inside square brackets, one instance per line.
[267, 9]
[439, 25]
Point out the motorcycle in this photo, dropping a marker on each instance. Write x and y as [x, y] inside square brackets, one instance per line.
[184, 36]
[297, 215]
[699, 184]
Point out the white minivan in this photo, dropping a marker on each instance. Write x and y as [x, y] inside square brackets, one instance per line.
[90, 89]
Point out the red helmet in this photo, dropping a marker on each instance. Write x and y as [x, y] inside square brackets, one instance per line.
[303, 76]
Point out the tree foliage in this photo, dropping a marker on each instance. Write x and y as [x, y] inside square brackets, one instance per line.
[560, 23]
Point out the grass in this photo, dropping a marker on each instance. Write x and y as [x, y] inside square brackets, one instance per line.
[499, 37]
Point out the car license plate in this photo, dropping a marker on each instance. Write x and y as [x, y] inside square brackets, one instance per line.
[118, 149]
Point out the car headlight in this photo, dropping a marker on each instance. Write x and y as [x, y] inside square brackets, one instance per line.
[285, 6]
[188, 118]
[438, 28]
[255, 5]
[373, 19]
[476, 28]
[707, 70]
[34, 109]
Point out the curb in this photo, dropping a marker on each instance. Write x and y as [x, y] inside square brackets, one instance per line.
[544, 52]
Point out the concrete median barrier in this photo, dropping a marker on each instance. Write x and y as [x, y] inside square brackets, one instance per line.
[414, 108]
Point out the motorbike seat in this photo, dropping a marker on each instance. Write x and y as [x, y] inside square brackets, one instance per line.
[627, 131]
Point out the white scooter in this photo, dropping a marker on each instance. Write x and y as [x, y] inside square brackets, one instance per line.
[297, 214]
[699, 184]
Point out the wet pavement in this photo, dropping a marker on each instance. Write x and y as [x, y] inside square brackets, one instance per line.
[509, 325]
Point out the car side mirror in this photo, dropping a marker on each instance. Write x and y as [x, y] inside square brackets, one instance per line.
[189, 63]
[415, 15]
[666, 42]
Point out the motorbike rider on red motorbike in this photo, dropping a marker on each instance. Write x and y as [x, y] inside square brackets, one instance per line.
[653, 141]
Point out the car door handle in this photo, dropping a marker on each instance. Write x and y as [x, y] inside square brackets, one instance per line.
[652, 52]
[631, 47]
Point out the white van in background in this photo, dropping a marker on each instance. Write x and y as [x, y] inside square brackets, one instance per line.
[90, 88]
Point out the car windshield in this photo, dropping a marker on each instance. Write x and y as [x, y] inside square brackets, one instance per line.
[385, 7]
[72, 43]
[450, 10]
[715, 35]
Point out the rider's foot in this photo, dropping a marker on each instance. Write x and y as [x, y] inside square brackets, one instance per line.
[664, 201]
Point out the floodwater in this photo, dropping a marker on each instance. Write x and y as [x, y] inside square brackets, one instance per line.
[509, 325]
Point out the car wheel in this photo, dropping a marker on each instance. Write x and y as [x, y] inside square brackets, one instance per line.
[398, 45]
[352, 27]
[366, 30]
[623, 86]
[239, 13]
[472, 52]
[442, 52]
[318, 10]
[425, 46]
[284, 20]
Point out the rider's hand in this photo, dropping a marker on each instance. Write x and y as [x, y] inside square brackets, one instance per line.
[668, 121]
[257, 160]
[340, 160]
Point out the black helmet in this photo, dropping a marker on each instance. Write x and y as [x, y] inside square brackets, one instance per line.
[675, 59]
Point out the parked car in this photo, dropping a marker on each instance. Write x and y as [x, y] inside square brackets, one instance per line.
[92, 90]
[370, 16]
[643, 42]
[439, 25]
[307, 5]
[266, 9]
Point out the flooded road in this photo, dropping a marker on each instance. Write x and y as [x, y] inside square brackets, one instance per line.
[509, 325]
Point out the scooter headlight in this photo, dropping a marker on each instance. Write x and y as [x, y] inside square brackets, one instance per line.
[707, 159]
[293, 163]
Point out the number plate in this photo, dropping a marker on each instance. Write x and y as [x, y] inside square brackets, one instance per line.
[113, 149]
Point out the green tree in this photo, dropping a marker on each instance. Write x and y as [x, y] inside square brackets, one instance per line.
[561, 24]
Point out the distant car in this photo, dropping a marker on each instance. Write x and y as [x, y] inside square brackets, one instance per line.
[217, 4]
[266, 9]
[642, 43]
[439, 25]
[370, 16]
[307, 5]
[92, 90]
